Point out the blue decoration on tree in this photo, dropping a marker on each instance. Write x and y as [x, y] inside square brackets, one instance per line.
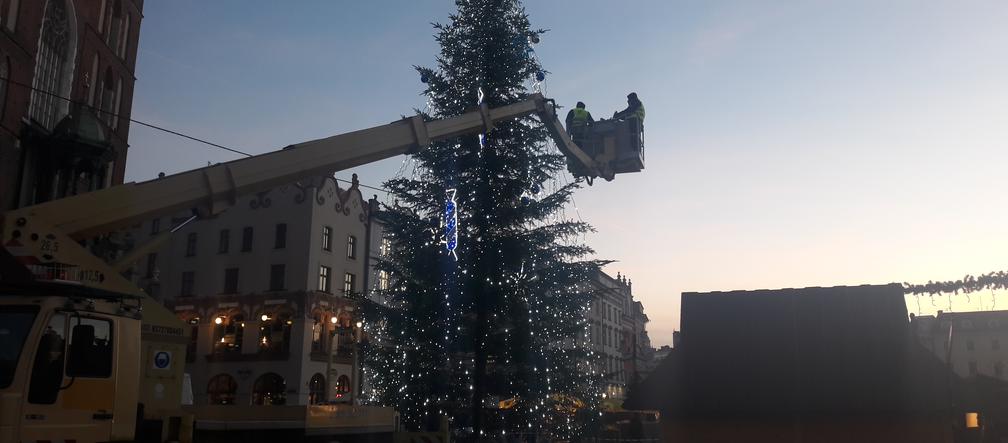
[451, 223]
[536, 189]
[540, 76]
[424, 78]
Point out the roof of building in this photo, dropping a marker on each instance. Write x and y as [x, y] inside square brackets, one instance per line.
[795, 352]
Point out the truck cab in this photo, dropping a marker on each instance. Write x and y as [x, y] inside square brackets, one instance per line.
[60, 358]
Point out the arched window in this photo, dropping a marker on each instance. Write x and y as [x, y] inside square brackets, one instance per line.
[228, 331]
[54, 63]
[269, 389]
[221, 390]
[342, 388]
[275, 333]
[316, 390]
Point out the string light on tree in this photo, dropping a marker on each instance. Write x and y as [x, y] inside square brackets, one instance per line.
[492, 323]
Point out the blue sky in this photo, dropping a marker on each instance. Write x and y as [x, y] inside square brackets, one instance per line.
[789, 144]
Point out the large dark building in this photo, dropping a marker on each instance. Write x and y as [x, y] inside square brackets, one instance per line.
[833, 364]
[52, 51]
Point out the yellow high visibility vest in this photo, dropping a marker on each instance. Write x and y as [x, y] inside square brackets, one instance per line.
[639, 113]
[580, 117]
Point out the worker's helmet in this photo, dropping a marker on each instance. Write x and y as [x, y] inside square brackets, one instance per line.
[632, 96]
[580, 105]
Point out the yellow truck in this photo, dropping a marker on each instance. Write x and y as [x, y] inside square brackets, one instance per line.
[86, 356]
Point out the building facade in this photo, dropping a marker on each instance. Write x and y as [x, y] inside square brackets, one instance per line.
[978, 341]
[617, 333]
[264, 289]
[66, 90]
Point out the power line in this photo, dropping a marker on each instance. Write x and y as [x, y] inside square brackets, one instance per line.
[159, 128]
[115, 115]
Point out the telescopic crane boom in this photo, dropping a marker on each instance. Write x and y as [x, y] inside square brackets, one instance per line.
[213, 189]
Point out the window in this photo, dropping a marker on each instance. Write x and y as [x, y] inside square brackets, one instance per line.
[101, 16]
[188, 284]
[385, 247]
[247, 239]
[47, 371]
[155, 226]
[318, 332]
[383, 280]
[124, 41]
[342, 387]
[969, 345]
[325, 279]
[326, 238]
[54, 62]
[190, 249]
[348, 283]
[90, 350]
[116, 105]
[4, 77]
[281, 236]
[277, 277]
[12, 15]
[221, 390]
[351, 247]
[113, 33]
[999, 370]
[107, 98]
[228, 334]
[269, 389]
[316, 390]
[275, 333]
[995, 344]
[972, 368]
[224, 241]
[231, 281]
[192, 346]
[15, 324]
[151, 264]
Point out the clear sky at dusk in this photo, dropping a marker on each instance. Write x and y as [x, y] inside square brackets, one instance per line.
[788, 144]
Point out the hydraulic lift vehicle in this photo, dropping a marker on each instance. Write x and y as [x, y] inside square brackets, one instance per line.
[87, 356]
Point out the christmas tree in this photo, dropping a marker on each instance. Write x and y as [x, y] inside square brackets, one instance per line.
[485, 317]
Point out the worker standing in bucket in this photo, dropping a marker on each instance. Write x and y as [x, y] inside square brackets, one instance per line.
[635, 109]
[578, 122]
[634, 116]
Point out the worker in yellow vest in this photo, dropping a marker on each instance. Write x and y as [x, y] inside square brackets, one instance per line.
[635, 109]
[634, 116]
[578, 122]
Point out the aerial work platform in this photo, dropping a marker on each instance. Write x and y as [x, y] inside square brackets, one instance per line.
[604, 149]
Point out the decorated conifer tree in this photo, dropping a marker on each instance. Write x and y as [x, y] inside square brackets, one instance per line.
[485, 317]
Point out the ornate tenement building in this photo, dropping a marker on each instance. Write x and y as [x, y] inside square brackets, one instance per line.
[263, 288]
[617, 329]
[51, 51]
[979, 341]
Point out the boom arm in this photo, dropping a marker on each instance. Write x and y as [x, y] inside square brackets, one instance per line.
[213, 189]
